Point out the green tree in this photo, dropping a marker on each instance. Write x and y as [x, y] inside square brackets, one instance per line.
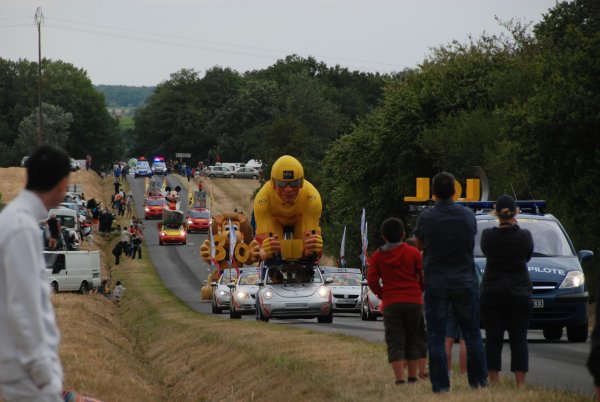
[56, 128]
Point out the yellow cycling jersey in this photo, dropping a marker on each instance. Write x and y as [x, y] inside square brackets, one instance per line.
[301, 216]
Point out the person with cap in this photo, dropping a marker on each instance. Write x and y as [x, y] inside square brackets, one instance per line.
[506, 290]
[30, 368]
[446, 234]
[288, 203]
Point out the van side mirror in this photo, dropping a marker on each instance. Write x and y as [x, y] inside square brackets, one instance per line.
[260, 283]
[364, 282]
[328, 281]
[585, 255]
[213, 284]
[231, 285]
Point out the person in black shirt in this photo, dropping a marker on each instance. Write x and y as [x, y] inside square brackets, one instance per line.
[506, 290]
[54, 228]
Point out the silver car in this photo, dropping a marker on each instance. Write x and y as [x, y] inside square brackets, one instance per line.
[219, 171]
[246, 173]
[294, 291]
[221, 294]
[243, 293]
[345, 287]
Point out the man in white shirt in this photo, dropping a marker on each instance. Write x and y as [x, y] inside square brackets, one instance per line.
[30, 368]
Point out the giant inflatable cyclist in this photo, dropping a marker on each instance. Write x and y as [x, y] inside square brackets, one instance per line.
[288, 207]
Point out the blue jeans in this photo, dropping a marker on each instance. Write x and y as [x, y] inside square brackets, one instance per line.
[465, 306]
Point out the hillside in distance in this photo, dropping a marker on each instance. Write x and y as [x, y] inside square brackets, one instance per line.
[123, 96]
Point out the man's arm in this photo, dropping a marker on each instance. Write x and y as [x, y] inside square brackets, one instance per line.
[374, 275]
[24, 300]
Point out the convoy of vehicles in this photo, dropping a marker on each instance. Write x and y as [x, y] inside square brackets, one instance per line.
[294, 291]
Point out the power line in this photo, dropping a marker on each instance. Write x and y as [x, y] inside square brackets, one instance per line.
[278, 51]
[15, 25]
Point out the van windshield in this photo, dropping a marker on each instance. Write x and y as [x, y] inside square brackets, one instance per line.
[549, 239]
[66, 221]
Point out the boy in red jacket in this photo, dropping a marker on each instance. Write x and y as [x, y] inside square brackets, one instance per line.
[400, 269]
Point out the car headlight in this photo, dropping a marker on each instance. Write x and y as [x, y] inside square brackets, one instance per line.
[182, 233]
[242, 295]
[268, 294]
[223, 293]
[162, 233]
[147, 209]
[573, 280]
[323, 292]
[190, 222]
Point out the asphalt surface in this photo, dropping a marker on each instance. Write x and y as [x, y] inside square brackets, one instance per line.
[552, 364]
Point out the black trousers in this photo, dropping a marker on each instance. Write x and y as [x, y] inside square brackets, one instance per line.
[506, 313]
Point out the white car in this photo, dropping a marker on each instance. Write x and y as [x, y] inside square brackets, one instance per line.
[243, 293]
[346, 288]
[294, 291]
[221, 293]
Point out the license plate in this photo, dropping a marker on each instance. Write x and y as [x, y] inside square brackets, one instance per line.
[296, 305]
[538, 303]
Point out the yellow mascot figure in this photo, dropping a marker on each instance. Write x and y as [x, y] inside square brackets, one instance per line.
[246, 248]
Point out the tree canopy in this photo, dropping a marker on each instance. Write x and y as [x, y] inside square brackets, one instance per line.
[91, 130]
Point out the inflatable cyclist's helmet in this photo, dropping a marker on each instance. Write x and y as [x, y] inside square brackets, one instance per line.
[287, 170]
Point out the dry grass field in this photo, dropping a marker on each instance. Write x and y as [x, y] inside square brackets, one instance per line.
[154, 348]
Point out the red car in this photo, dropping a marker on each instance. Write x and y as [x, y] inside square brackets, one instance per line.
[153, 207]
[198, 219]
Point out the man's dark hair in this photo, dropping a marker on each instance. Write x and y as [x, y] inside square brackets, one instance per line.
[46, 167]
[443, 185]
[392, 229]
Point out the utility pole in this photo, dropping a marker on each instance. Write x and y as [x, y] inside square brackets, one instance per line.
[39, 18]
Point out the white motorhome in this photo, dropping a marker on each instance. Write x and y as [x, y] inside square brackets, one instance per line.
[73, 271]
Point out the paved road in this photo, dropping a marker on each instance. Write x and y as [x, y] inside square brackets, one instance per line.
[552, 364]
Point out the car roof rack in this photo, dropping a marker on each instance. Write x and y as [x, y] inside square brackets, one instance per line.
[536, 207]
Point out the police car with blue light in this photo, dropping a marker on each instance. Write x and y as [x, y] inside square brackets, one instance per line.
[142, 168]
[159, 167]
[559, 294]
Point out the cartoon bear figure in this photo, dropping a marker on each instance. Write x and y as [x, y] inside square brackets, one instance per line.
[246, 251]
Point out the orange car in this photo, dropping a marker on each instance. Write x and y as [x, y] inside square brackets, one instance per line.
[198, 219]
[153, 207]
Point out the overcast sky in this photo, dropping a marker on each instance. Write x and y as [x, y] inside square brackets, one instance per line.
[141, 42]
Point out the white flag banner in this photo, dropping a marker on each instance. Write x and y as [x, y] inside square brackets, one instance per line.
[232, 240]
[342, 260]
[212, 248]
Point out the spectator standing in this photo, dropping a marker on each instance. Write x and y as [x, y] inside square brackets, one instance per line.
[446, 234]
[136, 241]
[55, 230]
[118, 292]
[125, 240]
[117, 251]
[188, 172]
[506, 290]
[400, 269]
[30, 368]
[117, 186]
